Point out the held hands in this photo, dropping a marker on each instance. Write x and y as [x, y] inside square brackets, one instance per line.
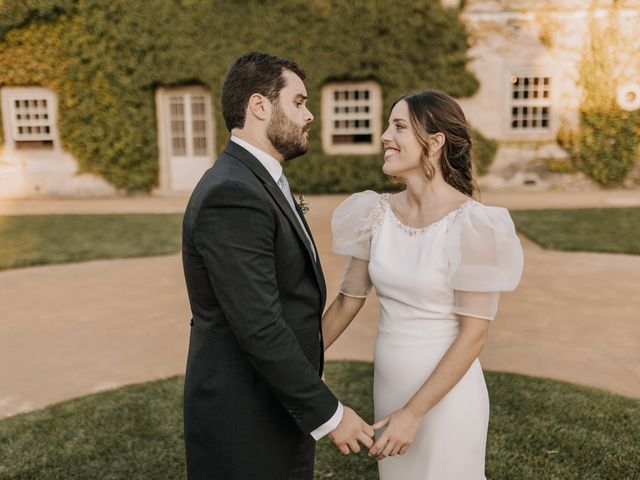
[351, 430]
[396, 439]
[401, 428]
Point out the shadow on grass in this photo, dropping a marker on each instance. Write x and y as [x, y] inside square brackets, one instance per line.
[540, 429]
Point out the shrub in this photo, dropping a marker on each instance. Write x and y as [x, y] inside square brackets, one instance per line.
[605, 145]
[484, 150]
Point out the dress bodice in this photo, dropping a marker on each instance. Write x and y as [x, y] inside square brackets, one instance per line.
[410, 270]
[431, 271]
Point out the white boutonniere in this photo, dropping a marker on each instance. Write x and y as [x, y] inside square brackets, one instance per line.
[305, 205]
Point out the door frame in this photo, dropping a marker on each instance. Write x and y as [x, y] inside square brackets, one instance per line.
[164, 129]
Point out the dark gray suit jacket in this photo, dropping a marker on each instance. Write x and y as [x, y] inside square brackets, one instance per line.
[252, 385]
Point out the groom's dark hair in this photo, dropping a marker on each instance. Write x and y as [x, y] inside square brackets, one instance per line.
[254, 72]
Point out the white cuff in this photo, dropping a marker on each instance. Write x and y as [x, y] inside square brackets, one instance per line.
[330, 425]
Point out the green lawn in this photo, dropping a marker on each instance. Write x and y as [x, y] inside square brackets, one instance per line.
[612, 230]
[45, 239]
[540, 429]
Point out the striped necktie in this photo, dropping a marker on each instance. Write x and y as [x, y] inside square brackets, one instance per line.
[284, 186]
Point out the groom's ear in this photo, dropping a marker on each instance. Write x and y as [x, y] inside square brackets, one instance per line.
[259, 106]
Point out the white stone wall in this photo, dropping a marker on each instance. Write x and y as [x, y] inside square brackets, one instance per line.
[39, 170]
[545, 37]
[27, 174]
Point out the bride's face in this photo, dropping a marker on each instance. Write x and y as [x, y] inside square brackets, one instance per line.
[401, 147]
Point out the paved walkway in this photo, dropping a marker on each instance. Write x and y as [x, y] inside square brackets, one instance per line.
[70, 330]
[520, 199]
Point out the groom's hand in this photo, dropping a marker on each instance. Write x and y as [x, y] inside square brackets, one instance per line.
[351, 430]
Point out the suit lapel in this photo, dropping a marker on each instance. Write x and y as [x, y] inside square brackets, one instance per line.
[316, 264]
[256, 167]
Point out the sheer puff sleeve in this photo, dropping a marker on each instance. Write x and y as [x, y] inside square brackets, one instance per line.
[351, 228]
[485, 258]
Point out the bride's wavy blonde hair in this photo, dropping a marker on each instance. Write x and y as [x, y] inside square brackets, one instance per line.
[433, 111]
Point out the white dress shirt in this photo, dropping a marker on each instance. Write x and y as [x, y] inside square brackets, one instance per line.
[275, 170]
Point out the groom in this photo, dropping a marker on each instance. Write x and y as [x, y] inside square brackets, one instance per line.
[254, 403]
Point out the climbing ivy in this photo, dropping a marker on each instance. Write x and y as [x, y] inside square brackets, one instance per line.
[605, 144]
[105, 59]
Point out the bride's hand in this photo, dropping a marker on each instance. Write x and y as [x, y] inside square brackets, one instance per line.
[396, 439]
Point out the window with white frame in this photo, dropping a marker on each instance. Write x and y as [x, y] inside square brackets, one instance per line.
[29, 117]
[530, 103]
[351, 121]
[178, 135]
[188, 125]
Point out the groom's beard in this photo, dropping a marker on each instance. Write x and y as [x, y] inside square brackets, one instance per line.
[285, 136]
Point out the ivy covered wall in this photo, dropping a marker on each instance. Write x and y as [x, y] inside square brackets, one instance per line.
[606, 143]
[105, 59]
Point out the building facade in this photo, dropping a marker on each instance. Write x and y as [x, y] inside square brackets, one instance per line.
[526, 55]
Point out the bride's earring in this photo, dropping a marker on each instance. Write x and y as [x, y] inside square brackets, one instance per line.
[427, 167]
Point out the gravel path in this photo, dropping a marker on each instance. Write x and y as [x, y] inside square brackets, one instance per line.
[70, 330]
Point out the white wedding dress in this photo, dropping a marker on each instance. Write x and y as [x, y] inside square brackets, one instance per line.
[423, 278]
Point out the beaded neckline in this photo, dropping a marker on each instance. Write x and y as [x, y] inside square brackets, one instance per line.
[447, 219]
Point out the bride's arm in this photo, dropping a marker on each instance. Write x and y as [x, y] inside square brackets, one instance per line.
[403, 424]
[353, 292]
[338, 317]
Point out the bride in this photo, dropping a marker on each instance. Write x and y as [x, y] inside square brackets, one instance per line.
[438, 260]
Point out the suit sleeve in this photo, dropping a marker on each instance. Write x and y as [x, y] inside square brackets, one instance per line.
[235, 235]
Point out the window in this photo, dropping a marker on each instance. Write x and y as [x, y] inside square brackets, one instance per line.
[530, 103]
[195, 129]
[199, 125]
[628, 96]
[178, 135]
[351, 118]
[29, 117]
